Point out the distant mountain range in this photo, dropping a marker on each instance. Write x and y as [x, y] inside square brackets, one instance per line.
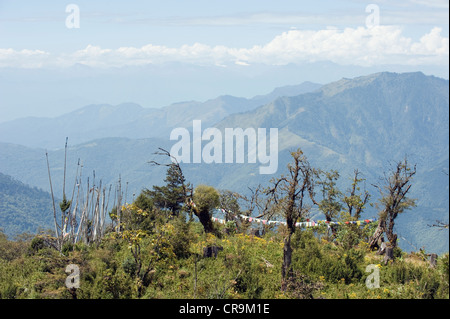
[367, 122]
[131, 120]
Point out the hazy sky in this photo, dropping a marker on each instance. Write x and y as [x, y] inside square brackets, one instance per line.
[111, 35]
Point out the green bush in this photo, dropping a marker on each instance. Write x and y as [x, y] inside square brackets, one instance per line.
[37, 243]
[248, 282]
[348, 236]
[129, 266]
[443, 267]
[66, 248]
[171, 266]
[310, 258]
[9, 291]
[401, 273]
[180, 237]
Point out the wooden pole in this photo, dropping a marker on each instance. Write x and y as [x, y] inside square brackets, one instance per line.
[53, 199]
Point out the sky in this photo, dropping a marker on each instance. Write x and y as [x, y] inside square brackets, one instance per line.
[57, 56]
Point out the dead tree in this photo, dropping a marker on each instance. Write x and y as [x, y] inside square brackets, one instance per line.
[229, 204]
[356, 202]
[58, 229]
[254, 205]
[377, 238]
[289, 195]
[83, 216]
[393, 201]
[330, 204]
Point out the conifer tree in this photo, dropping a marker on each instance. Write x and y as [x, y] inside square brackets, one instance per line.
[176, 195]
[170, 196]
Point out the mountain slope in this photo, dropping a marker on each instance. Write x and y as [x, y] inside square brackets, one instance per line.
[365, 123]
[368, 123]
[131, 120]
[23, 208]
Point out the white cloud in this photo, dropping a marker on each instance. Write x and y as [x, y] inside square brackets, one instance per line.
[23, 58]
[432, 43]
[351, 46]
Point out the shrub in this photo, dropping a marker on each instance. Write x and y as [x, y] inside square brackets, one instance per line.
[231, 227]
[180, 237]
[348, 236]
[37, 243]
[129, 266]
[310, 258]
[443, 269]
[248, 281]
[402, 273]
[9, 292]
[300, 286]
[66, 248]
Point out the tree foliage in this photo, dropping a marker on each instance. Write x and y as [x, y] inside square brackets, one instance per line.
[172, 195]
[206, 199]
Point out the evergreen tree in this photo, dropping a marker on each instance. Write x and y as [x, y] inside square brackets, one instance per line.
[172, 195]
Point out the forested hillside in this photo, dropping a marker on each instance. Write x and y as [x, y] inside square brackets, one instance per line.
[23, 208]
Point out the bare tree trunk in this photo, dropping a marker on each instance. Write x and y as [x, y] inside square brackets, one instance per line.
[53, 202]
[287, 259]
[205, 220]
[211, 251]
[389, 254]
[376, 239]
[119, 206]
[289, 194]
[392, 237]
[433, 260]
